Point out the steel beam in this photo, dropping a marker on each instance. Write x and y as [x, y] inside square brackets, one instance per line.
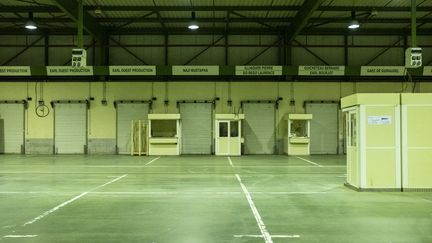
[312, 53]
[70, 8]
[203, 50]
[22, 51]
[129, 51]
[46, 50]
[302, 18]
[383, 51]
[242, 19]
[230, 31]
[262, 52]
[347, 8]
[413, 23]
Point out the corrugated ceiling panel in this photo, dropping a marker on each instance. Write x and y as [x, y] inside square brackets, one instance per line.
[117, 3]
[242, 2]
[25, 3]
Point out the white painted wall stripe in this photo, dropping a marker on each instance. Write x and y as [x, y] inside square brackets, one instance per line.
[310, 162]
[258, 219]
[46, 213]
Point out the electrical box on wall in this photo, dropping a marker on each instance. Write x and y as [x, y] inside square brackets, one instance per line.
[413, 57]
[79, 58]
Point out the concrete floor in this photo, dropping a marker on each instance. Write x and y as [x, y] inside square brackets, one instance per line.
[199, 199]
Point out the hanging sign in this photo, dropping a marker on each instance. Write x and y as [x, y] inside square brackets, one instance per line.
[69, 71]
[265, 70]
[379, 120]
[427, 71]
[195, 70]
[15, 71]
[132, 70]
[382, 71]
[321, 71]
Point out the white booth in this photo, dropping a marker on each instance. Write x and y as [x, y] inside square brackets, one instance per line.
[228, 134]
[297, 141]
[164, 134]
[373, 141]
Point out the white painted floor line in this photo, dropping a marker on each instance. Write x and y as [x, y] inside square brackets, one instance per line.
[176, 192]
[197, 193]
[123, 166]
[46, 213]
[290, 166]
[258, 219]
[151, 161]
[19, 236]
[114, 166]
[261, 236]
[310, 162]
[230, 161]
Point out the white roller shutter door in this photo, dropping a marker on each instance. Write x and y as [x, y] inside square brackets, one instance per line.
[70, 135]
[11, 128]
[324, 127]
[259, 128]
[196, 126]
[126, 112]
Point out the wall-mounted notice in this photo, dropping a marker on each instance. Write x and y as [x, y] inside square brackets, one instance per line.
[379, 120]
[132, 70]
[382, 71]
[258, 70]
[321, 71]
[15, 71]
[427, 71]
[195, 70]
[69, 71]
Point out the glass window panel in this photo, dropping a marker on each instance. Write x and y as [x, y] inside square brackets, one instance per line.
[353, 126]
[223, 129]
[234, 129]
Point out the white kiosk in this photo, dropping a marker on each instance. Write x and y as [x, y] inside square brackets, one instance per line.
[228, 134]
[164, 134]
[298, 134]
[373, 140]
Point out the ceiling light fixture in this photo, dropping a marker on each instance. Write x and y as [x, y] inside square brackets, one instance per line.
[353, 24]
[193, 25]
[30, 24]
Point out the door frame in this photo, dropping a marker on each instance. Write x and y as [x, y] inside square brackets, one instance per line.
[87, 117]
[218, 136]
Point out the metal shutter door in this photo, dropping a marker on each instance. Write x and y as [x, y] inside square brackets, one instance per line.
[11, 128]
[196, 126]
[324, 127]
[70, 126]
[127, 112]
[259, 128]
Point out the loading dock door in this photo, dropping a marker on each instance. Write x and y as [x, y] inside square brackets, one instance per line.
[324, 127]
[126, 112]
[259, 128]
[70, 128]
[196, 126]
[11, 128]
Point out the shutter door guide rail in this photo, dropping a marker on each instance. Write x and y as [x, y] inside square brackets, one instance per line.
[212, 101]
[150, 102]
[276, 102]
[70, 102]
[320, 102]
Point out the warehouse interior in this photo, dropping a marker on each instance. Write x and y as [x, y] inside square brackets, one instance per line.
[215, 121]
